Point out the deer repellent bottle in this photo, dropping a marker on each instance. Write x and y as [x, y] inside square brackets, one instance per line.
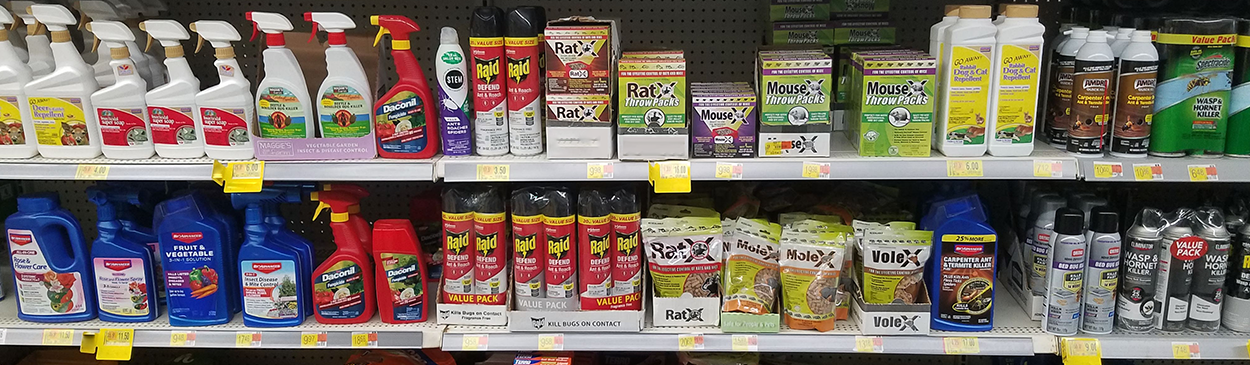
[124, 274]
[283, 107]
[50, 262]
[1016, 76]
[17, 130]
[407, 127]
[965, 71]
[60, 102]
[194, 244]
[490, 94]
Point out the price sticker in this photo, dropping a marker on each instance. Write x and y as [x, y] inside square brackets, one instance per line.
[961, 345]
[773, 148]
[474, 342]
[1108, 170]
[816, 170]
[1186, 350]
[239, 176]
[1203, 173]
[670, 176]
[728, 170]
[598, 170]
[315, 339]
[182, 339]
[749, 343]
[91, 172]
[1147, 171]
[364, 339]
[869, 344]
[1080, 351]
[1047, 168]
[114, 344]
[58, 337]
[690, 342]
[965, 168]
[493, 172]
[247, 339]
[551, 342]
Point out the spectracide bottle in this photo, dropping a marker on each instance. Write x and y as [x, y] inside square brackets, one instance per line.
[1016, 80]
[345, 107]
[172, 114]
[54, 281]
[227, 110]
[17, 131]
[343, 284]
[121, 108]
[124, 273]
[407, 126]
[60, 102]
[966, 62]
[283, 107]
[401, 272]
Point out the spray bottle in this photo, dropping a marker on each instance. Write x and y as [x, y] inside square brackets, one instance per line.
[1102, 271]
[346, 107]
[38, 46]
[354, 219]
[100, 11]
[271, 273]
[1016, 76]
[60, 102]
[1135, 96]
[227, 111]
[961, 125]
[1062, 303]
[121, 108]
[124, 273]
[343, 283]
[411, 126]
[1058, 117]
[453, 95]
[1122, 39]
[133, 205]
[936, 31]
[490, 97]
[283, 107]
[172, 114]
[401, 272]
[281, 234]
[17, 131]
[525, 88]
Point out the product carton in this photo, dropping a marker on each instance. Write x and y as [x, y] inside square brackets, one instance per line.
[1015, 277]
[724, 121]
[787, 10]
[651, 119]
[891, 104]
[581, 55]
[469, 309]
[795, 90]
[833, 33]
[859, 9]
[842, 65]
[892, 319]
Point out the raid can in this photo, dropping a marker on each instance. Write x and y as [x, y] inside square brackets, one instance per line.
[1207, 290]
[1136, 306]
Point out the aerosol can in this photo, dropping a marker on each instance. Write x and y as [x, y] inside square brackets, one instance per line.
[172, 114]
[121, 108]
[1136, 308]
[345, 109]
[227, 110]
[1057, 115]
[1237, 299]
[100, 11]
[1064, 281]
[17, 131]
[490, 95]
[1179, 250]
[1102, 271]
[283, 107]
[522, 48]
[1210, 270]
[1041, 237]
[60, 102]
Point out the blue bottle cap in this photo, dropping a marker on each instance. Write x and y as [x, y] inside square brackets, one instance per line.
[38, 202]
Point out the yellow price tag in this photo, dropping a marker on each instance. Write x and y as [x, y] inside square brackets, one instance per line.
[747, 343]
[965, 168]
[1203, 173]
[816, 170]
[364, 339]
[91, 172]
[114, 344]
[182, 339]
[869, 344]
[599, 170]
[1147, 172]
[474, 342]
[1080, 351]
[728, 170]
[670, 176]
[772, 148]
[247, 339]
[961, 345]
[1108, 170]
[1047, 168]
[1186, 350]
[240, 176]
[58, 337]
[316, 339]
[493, 172]
[551, 342]
[690, 342]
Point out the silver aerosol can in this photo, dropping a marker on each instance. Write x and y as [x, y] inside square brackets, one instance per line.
[1102, 271]
[1064, 283]
[1042, 235]
[1177, 253]
[1237, 300]
[1136, 304]
[1207, 290]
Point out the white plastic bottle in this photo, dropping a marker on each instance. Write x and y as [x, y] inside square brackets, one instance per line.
[283, 107]
[1111, 32]
[1092, 91]
[37, 44]
[968, 52]
[17, 131]
[452, 71]
[121, 108]
[1057, 112]
[227, 110]
[1122, 40]
[172, 115]
[60, 102]
[935, 32]
[101, 10]
[1135, 97]
[1001, 14]
[1016, 81]
[345, 107]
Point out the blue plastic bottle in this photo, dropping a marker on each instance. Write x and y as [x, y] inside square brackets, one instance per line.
[194, 249]
[49, 256]
[961, 271]
[133, 205]
[270, 276]
[279, 233]
[123, 268]
[218, 207]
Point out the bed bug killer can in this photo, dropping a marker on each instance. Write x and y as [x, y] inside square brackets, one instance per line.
[1238, 143]
[1178, 252]
[1135, 97]
[1136, 308]
[1091, 96]
[1064, 281]
[1102, 271]
[1043, 233]
[1195, 79]
[529, 243]
[1058, 107]
[1207, 290]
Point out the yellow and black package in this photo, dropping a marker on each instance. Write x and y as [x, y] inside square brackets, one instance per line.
[684, 256]
[751, 268]
[811, 263]
[892, 264]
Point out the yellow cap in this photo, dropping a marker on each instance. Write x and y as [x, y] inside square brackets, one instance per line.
[974, 11]
[1020, 11]
[952, 10]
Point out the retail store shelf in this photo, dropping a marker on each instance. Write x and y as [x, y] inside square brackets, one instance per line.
[1220, 345]
[201, 169]
[1163, 169]
[537, 168]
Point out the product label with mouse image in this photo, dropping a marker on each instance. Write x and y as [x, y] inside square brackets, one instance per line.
[966, 283]
[280, 114]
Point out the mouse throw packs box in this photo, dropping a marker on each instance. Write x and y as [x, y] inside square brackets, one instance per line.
[795, 88]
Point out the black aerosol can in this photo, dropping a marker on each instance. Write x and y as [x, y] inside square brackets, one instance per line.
[1207, 291]
[1177, 255]
[1136, 306]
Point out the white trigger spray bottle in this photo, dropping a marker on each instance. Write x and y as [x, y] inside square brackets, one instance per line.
[121, 108]
[283, 108]
[17, 131]
[60, 102]
[100, 10]
[226, 110]
[37, 45]
[172, 115]
[345, 109]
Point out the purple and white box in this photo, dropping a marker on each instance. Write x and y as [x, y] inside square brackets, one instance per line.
[725, 120]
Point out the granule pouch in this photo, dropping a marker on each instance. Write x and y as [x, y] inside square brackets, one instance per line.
[893, 265]
[788, 219]
[751, 276]
[810, 266]
[673, 211]
[684, 256]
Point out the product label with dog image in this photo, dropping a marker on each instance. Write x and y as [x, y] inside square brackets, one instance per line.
[343, 113]
[11, 132]
[966, 285]
[280, 114]
[968, 100]
[1091, 107]
[1017, 95]
[59, 121]
[122, 127]
[172, 125]
[224, 127]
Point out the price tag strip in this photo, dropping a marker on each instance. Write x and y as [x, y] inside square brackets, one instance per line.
[91, 172]
[690, 342]
[182, 339]
[1203, 173]
[748, 343]
[247, 339]
[114, 344]
[1147, 171]
[1080, 351]
[961, 345]
[815, 170]
[869, 344]
[1108, 170]
[669, 176]
[965, 168]
[493, 172]
[364, 339]
[598, 170]
[240, 176]
[1047, 168]
[474, 342]
[551, 342]
[1186, 350]
[729, 170]
[58, 337]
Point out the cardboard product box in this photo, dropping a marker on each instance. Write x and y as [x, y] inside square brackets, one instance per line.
[581, 55]
[685, 312]
[651, 120]
[833, 33]
[724, 121]
[1015, 277]
[842, 65]
[617, 313]
[840, 9]
[785, 10]
[467, 312]
[891, 104]
[892, 319]
[795, 90]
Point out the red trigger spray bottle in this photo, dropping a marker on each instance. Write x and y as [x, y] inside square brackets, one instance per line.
[343, 290]
[407, 125]
[363, 230]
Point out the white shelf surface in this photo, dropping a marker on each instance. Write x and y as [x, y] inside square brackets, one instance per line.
[1223, 344]
[1229, 169]
[197, 169]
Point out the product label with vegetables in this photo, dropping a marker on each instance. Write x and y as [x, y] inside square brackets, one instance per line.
[339, 291]
[40, 290]
[404, 274]
[121, 285]
[269, 289]
[191, 276]
[400, 123]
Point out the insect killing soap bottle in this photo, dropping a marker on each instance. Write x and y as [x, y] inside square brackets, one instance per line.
[121, 108]
[1016, 77]
[172, 115]
[965, 71]
[1135, 97]
[1062, 302]
[283, 107]
[1091, 97]
[963, 282]
[227, 110]
[1102, 271]
[60, 102]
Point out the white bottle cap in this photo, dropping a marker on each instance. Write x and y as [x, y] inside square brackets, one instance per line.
[1097, 36]
[1125, 33]
[1080, 32]
[1141, 36]
[448, 36]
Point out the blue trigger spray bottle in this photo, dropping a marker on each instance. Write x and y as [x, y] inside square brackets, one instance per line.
[123, 267]
[49, 257]
[133, 205]
[278, 246]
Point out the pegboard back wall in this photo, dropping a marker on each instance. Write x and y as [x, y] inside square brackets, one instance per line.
[719, 36]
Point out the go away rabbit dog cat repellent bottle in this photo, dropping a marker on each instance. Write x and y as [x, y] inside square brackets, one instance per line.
[123, 268]
[60, 102]
[345, 109]
[406, 126]
[120, 108]
[172, 115]
[226, 110]
[1015, 82]
[967, 55]
[50, 261]
[17, 131]
[283, 108]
